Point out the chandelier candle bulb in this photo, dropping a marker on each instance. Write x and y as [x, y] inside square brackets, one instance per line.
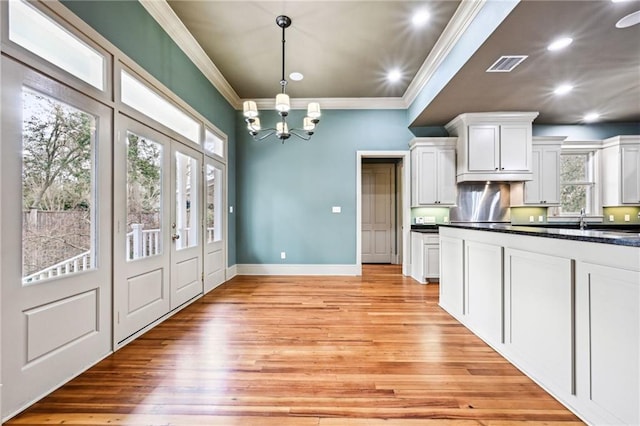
[282, 128]
[308, 124]
[282, 106]
[282, 102]
[313, 110]
[250, 109]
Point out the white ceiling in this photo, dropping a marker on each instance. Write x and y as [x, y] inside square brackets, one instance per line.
[345, 48]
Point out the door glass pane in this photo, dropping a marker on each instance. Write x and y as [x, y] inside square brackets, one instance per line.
[186, 201]
[214, 204]
[58, 197]
[144, 197]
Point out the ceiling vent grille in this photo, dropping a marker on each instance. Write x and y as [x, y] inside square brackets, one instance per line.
[506, 63]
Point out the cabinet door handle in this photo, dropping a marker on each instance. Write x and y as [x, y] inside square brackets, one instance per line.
[496, 168]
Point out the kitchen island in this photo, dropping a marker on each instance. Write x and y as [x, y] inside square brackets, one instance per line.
[563, 305]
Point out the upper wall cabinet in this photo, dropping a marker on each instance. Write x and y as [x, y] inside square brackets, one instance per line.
[621, 171]
[433, 171]
[493, 146]
[544, 188]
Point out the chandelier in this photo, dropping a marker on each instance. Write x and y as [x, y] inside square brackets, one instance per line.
[282, 105]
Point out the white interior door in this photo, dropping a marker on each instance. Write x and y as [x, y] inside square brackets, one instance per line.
[141, 226]
[186, 224]
[215, 258]
[377, 212]
[56, 244]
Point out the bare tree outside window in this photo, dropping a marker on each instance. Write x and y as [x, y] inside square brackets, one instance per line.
[144, 197]
[57, 188]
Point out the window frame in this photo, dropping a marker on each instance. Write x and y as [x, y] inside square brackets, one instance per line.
[593, 205]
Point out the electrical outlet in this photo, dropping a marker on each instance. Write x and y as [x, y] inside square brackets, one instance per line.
[627, 218]
[532, 219]
[283, 255]
[446, 218]
[540, 218]
[336, 209]
[612, 218]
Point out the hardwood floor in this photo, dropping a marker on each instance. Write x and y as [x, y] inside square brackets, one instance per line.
[323, 351]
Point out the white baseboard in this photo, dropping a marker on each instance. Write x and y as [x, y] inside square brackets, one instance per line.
[232, 271]
[261, 269]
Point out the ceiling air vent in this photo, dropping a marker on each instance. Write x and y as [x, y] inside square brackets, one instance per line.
[506, 63]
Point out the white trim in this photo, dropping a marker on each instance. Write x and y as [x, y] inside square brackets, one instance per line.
[458, 24]
[405, 208]
[173, 26]
[232, 271]
[271, 269]
[337, 103]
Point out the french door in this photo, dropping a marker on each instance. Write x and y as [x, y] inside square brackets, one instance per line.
[55, 225]
[157, 227]
[215, 226]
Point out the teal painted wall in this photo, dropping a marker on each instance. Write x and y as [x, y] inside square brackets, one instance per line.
[129, 27]
[286, 191]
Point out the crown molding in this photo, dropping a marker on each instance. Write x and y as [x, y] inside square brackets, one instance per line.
[337, 103]
[173, 26]
[462, 18]
[458, 24]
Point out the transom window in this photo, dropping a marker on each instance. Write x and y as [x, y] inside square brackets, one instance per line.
[142, 98]
[40, 35]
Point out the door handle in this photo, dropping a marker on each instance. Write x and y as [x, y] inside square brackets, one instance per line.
[175, 237]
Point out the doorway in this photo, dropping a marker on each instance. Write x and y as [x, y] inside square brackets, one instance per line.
[379, 231]
[401, 210]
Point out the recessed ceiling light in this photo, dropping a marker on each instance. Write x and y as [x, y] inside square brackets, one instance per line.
[629, 20]
[592, 116]
[420, 18]
[394, 76]
[563, 89]
[296, 76]
[560, 43]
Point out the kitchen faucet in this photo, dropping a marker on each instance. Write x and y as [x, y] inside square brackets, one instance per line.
[583, 222]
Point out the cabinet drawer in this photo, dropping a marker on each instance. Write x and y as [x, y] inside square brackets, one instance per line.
[431, 239]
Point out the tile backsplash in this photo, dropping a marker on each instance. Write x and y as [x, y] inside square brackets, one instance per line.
[429, 215]
[621, 214]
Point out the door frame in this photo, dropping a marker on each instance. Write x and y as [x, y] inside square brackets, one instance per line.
[405, 206]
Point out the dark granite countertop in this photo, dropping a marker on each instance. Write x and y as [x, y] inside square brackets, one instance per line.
[618, 237]
[425, 228]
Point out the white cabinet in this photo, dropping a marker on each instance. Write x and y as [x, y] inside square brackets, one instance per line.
[433, 171]
[538, 314]
[607, 342]
[544, 188]
[451, 275]
[425, 256]
[493, 146]
[565, 312]
[483, 292]
[621, 171]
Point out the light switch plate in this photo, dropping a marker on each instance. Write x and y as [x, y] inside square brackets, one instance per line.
[627, 218]
[532, 219]
[336, 209]
[612, 218]
[540, 218]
